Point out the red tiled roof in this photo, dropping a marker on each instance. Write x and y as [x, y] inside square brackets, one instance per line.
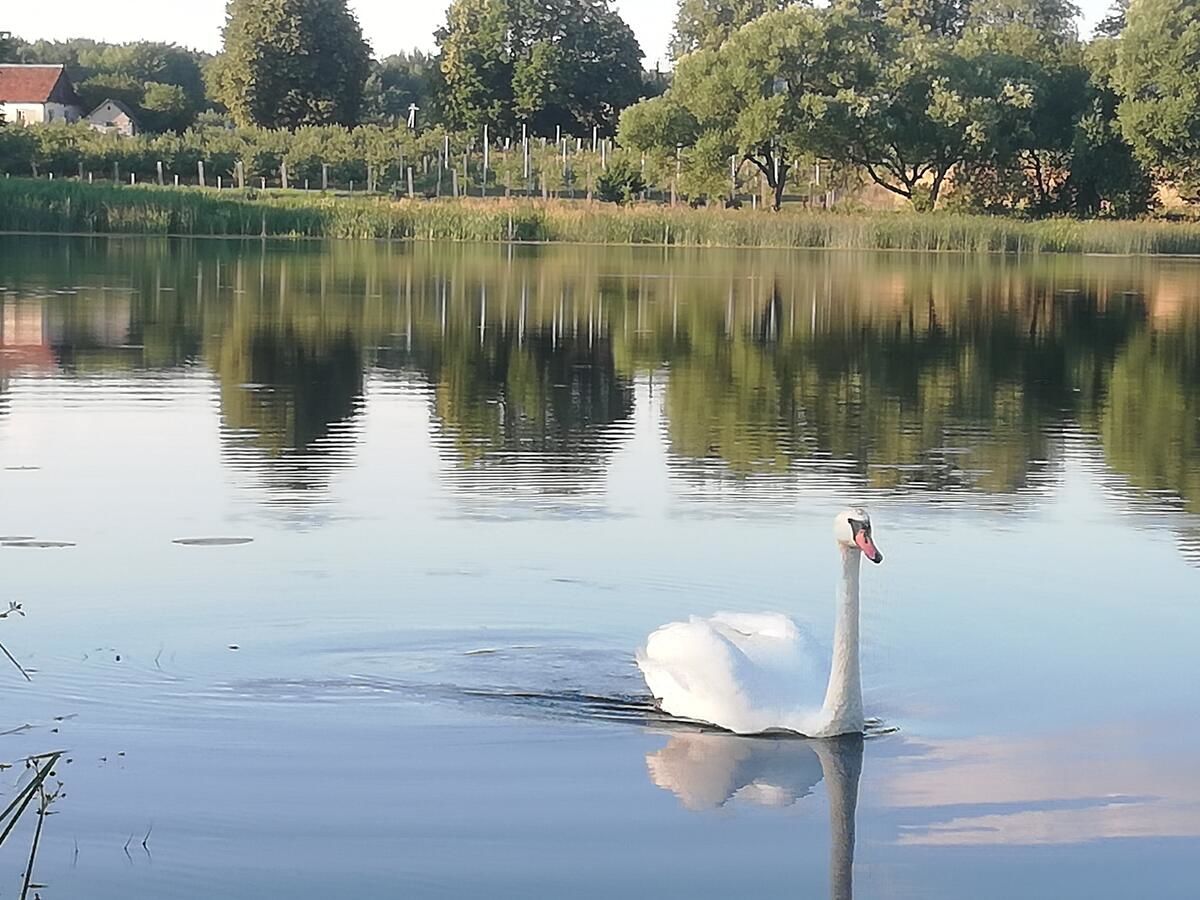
[35, 84]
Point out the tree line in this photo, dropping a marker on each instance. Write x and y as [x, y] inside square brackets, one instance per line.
[993, 105]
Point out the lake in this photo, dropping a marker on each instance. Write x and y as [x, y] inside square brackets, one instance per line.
[333, 558]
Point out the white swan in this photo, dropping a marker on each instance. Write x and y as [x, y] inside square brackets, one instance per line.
[753, 673]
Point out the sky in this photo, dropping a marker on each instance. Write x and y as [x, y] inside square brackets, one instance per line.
[390, 26]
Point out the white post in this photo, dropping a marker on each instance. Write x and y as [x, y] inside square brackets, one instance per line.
[410, 184]
[483, 183]
[200, 171]
[525, 150]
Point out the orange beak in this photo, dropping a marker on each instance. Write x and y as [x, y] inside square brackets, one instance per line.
[867, 546]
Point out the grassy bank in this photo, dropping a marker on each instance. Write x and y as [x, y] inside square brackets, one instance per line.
[72, 207]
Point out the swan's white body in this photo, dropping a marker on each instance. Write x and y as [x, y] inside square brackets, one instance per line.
[753, 673]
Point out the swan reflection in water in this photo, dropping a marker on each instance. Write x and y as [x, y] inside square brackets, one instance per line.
[706, 771]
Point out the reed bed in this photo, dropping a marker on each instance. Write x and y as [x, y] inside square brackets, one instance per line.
[62, 206]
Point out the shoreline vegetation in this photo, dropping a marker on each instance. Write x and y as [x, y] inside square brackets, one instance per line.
[69, 207]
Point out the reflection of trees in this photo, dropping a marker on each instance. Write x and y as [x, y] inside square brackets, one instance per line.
[1150, 421]
[911, 373]
[536, 396]
[525, 410]
[924, 392]
[285, 392]
[290, 366]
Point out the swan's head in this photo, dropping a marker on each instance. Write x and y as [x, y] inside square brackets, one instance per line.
[852, 530]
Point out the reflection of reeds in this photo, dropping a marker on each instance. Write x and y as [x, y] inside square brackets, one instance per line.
[63, 206]
[43, 766]
[14, 609]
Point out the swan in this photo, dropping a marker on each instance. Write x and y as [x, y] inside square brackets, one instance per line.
[751, 673]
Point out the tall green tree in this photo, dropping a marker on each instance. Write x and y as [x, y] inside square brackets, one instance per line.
[1157, 73]
[761, 97]
[707, 24]
[289, 63]
[573, 64]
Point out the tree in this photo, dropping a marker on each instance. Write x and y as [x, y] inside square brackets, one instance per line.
[706, 24]
[1032, 46]
[621, 182]
[570, 64]
[1113, 22]
[165, 107]
[761, 97]
[8, 47]
[289, 63]
[1157, 74]
[944, 86]
[397, 82]
[17, 148]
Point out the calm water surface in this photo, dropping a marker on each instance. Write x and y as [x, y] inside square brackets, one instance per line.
[361, 539]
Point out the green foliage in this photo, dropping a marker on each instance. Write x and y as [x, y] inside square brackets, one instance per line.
[67, 206]
[289, 63]
[621, 182]
[165, 107]
[569, 64]
[99, 88]
[170, 76]
[8, 48]
[17, 146]
[762, 97]
[1157, 74]
[397, 82]
[706, 24]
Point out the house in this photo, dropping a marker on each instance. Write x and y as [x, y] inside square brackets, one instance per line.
[37, 94]
[113, 117]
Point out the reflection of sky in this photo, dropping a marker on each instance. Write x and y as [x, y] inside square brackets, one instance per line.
[1036, 654]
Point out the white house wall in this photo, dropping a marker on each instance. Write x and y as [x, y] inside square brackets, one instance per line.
[39, 113]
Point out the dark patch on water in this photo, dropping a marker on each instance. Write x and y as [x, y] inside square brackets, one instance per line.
[38, 545]
[213, 541]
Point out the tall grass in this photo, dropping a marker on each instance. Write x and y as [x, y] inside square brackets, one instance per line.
[72, 207]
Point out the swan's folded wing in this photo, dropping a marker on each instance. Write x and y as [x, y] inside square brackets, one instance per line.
[744, 672]
[691, 670]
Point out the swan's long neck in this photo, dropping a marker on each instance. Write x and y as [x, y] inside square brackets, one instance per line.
[843, 709]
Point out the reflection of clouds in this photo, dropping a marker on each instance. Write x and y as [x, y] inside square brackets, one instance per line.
[1062, 789]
